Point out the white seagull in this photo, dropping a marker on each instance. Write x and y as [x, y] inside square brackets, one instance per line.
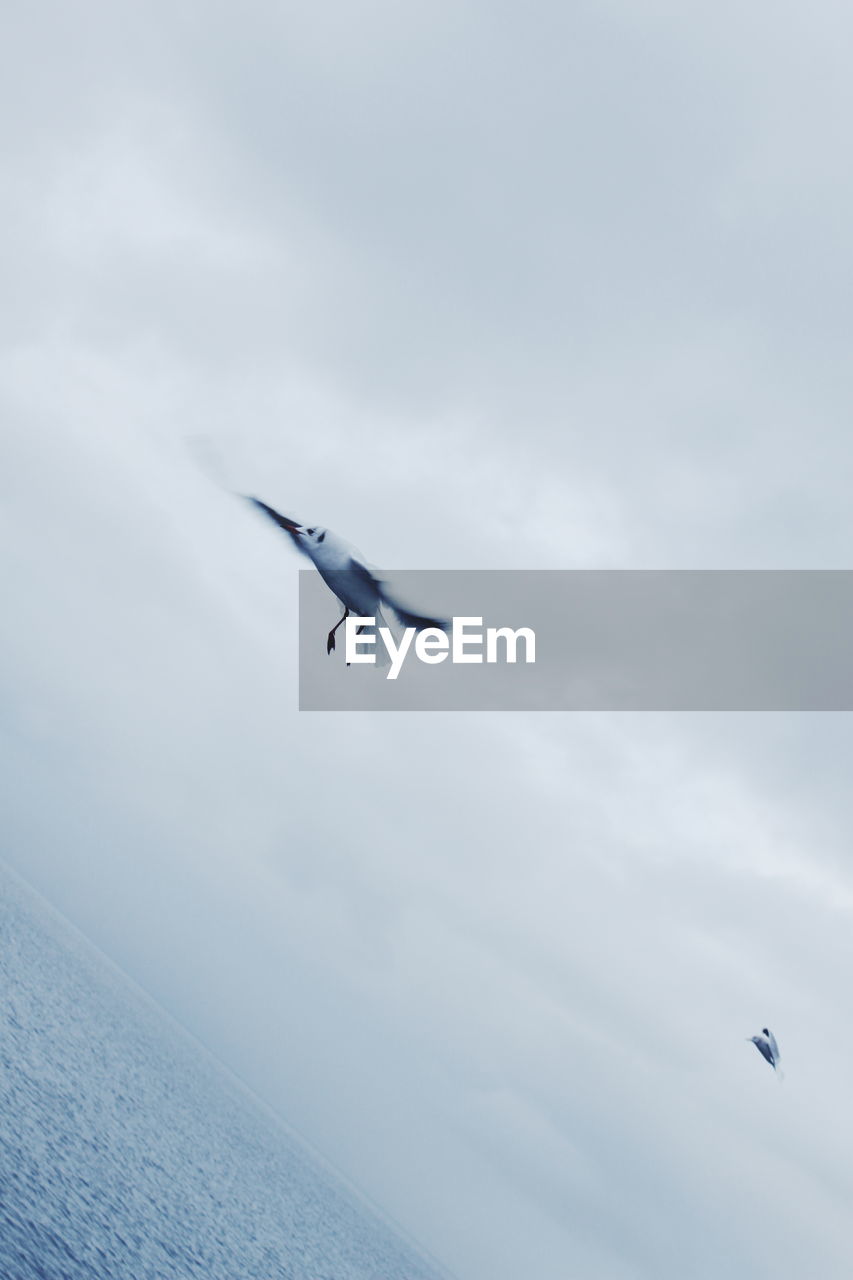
[345, 571]
[767, 1047]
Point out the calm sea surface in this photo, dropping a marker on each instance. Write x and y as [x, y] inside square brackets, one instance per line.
[125, 1152]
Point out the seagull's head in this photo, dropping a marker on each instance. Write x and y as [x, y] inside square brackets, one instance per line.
[313, 534]
[764, 1031]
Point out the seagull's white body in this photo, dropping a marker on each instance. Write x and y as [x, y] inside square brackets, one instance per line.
[346, 573]
[767, 1047]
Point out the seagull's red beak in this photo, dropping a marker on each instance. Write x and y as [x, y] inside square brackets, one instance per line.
[284, 522]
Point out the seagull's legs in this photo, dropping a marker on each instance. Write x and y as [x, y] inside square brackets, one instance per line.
[330, 639]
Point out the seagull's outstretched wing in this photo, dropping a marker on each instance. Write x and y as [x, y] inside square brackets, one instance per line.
[283, 522]
[774, 1048]
[764, 1049]
[405, 616]
[364, 575]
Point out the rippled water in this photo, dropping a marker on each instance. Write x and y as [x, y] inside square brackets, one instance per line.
[124, 1152]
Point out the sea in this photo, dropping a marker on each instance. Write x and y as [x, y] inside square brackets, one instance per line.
[127, 1152]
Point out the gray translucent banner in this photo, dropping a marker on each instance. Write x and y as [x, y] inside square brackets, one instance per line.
[604, 641]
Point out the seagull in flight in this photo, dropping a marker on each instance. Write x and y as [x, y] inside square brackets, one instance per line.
[767, 1047]
[346, 573]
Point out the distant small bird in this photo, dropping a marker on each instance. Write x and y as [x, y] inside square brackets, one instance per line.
[345, 571]
[767, 1047]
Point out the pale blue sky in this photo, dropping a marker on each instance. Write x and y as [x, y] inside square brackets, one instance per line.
[476, 286]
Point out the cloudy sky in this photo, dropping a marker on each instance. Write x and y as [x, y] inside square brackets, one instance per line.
[480, 286]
